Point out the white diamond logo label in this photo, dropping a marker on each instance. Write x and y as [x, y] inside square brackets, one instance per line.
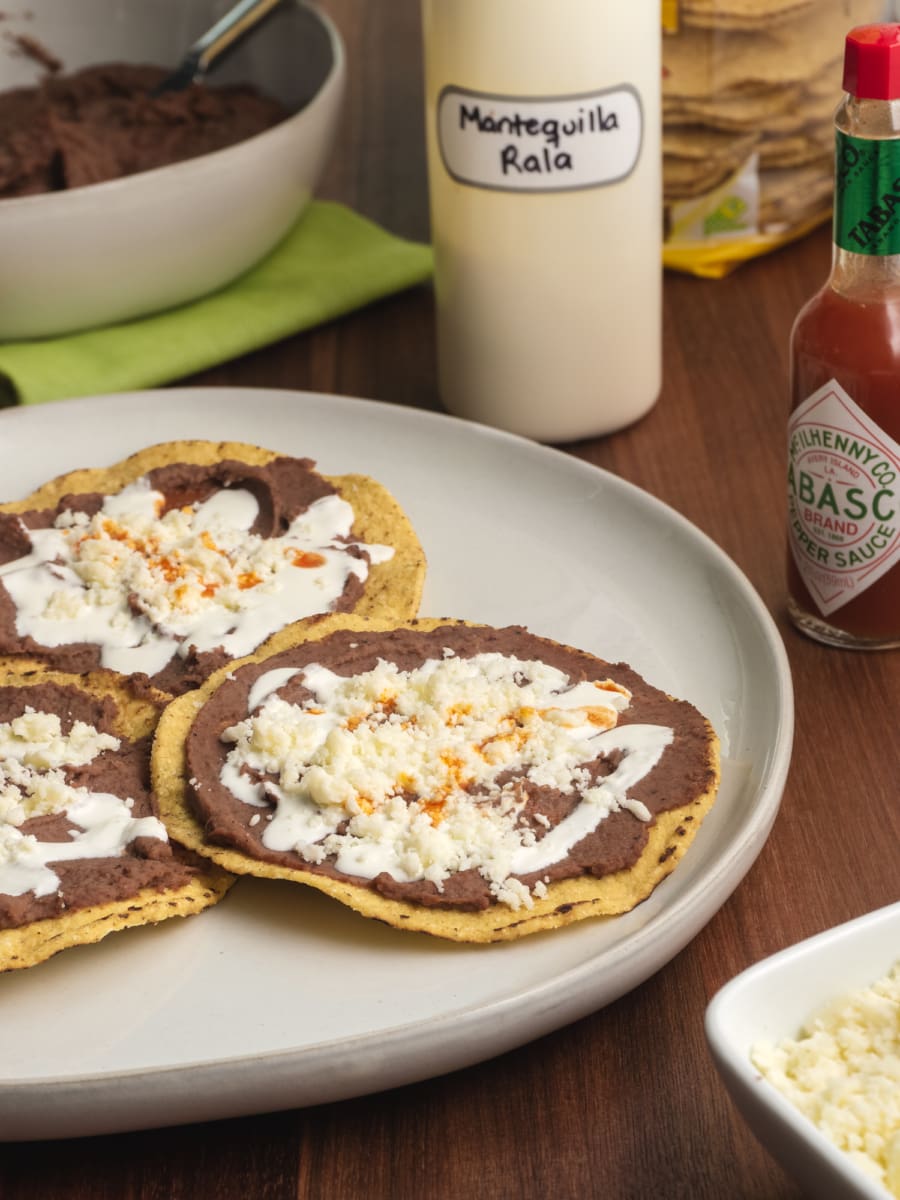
[843, 510]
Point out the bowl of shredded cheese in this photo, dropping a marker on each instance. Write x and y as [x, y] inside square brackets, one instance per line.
[807, 1043]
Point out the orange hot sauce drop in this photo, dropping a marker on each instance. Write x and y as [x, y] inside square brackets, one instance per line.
[844, 428]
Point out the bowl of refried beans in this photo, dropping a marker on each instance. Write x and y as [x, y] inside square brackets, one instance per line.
[116, 203]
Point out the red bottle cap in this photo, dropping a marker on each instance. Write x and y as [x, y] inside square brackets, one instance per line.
[872, 62]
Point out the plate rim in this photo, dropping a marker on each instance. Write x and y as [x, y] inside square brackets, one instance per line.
[688, 912]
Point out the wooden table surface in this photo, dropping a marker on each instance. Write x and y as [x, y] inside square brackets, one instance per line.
[624, 1103]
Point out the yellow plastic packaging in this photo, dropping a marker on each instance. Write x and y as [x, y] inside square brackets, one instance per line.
[749, 90]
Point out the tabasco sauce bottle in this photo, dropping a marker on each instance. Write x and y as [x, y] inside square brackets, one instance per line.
[844, 428]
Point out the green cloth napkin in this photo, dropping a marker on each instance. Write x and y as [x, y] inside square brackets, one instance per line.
[331, 262]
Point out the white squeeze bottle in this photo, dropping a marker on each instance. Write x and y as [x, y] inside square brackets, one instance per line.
[543, 126]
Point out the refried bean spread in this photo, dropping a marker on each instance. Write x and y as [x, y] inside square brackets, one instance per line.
[179, 572]
[576, 756]
[67, 780]
[102, 123]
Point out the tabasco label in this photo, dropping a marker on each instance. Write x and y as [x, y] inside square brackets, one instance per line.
[867, 194]
[843, 497]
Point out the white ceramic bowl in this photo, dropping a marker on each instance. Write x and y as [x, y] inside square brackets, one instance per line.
[772, 1000]
[94, 255]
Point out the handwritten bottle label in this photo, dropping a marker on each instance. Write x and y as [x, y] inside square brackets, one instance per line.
[843, 497]
[543, 144]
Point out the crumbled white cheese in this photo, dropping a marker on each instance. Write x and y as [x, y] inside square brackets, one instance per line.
[32, 749]
[513, 893]
[68, 519]
[141, 584]
[843, 1072]
[33, 754]
[424, 773]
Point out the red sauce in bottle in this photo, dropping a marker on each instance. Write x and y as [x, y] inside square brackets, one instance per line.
[857, 342]
[844, 433]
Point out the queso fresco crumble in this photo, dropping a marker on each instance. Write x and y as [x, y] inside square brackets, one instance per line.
[843, 1072]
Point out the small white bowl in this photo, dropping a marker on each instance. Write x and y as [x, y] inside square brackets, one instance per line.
[124, 248]
[772, 1000]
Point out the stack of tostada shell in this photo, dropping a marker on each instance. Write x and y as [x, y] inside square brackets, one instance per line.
[750, 88]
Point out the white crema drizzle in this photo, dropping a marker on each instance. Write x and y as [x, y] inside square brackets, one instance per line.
[446, 734]
[145, 587]
[33, 755]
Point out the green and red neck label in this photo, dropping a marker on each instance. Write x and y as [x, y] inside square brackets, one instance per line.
[867, 194]
[843, 497]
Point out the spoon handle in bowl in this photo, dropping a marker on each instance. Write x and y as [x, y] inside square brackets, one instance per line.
[233, 25]
[226, 31]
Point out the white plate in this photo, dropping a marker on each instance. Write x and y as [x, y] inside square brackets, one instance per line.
[772, 1000]
[278, 998]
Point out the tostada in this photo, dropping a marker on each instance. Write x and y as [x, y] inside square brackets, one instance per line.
[82, 849]
[190, 554]
[470, 782]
